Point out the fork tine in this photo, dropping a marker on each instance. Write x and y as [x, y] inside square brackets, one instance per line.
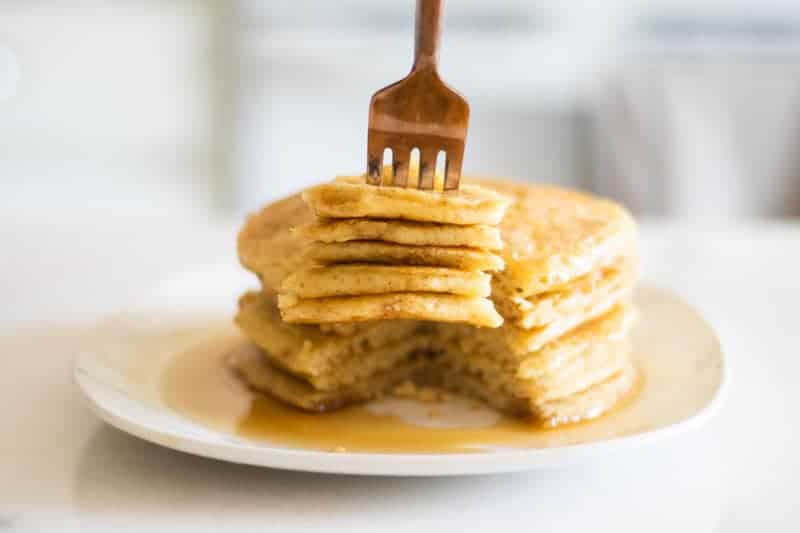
[452, 167]
[400, 159]
[427, 167]
[374, 161]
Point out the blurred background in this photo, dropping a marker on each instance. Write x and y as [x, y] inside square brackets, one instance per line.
[678, 108]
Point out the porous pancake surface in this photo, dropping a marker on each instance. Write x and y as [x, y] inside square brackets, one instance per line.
[352, 197]
[457, 257]
[434, 307]
[402, 232]
[357, 279]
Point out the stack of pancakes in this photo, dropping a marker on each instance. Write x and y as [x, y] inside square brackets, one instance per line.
[323, 367]
[561, 354]
[384, 253]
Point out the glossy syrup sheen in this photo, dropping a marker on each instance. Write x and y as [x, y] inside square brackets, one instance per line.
[199, 385]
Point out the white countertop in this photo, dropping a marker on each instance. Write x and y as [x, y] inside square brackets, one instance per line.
[62, 469]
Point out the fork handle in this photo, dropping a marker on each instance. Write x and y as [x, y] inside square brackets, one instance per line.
[427, 34]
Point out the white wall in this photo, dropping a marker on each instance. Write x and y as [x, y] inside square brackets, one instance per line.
[114, 105]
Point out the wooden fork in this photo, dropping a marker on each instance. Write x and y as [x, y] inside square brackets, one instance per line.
[419, 111]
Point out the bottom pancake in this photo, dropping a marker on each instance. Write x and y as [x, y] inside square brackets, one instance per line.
[591, 402]
[251, 364]
[332, 357]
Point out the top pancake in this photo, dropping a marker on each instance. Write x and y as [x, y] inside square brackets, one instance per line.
[553, 235]
[352, 197]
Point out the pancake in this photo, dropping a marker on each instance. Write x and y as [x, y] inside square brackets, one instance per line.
[352, 197]
[267, 246]
[332, 230]
[435, 307]
[599, 287]
[514, 342]
[554, 235]
[461, 258]
[614, 326]
[581, 406]
[590, 403]
[264, 377]
[546, 359]
[596, 364]
[358, 279]
[522, 341]
[367, 303]
[593, 364]
[546, 383]
[326, 358]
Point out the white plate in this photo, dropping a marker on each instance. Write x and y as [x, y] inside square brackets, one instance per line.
[119, 372]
